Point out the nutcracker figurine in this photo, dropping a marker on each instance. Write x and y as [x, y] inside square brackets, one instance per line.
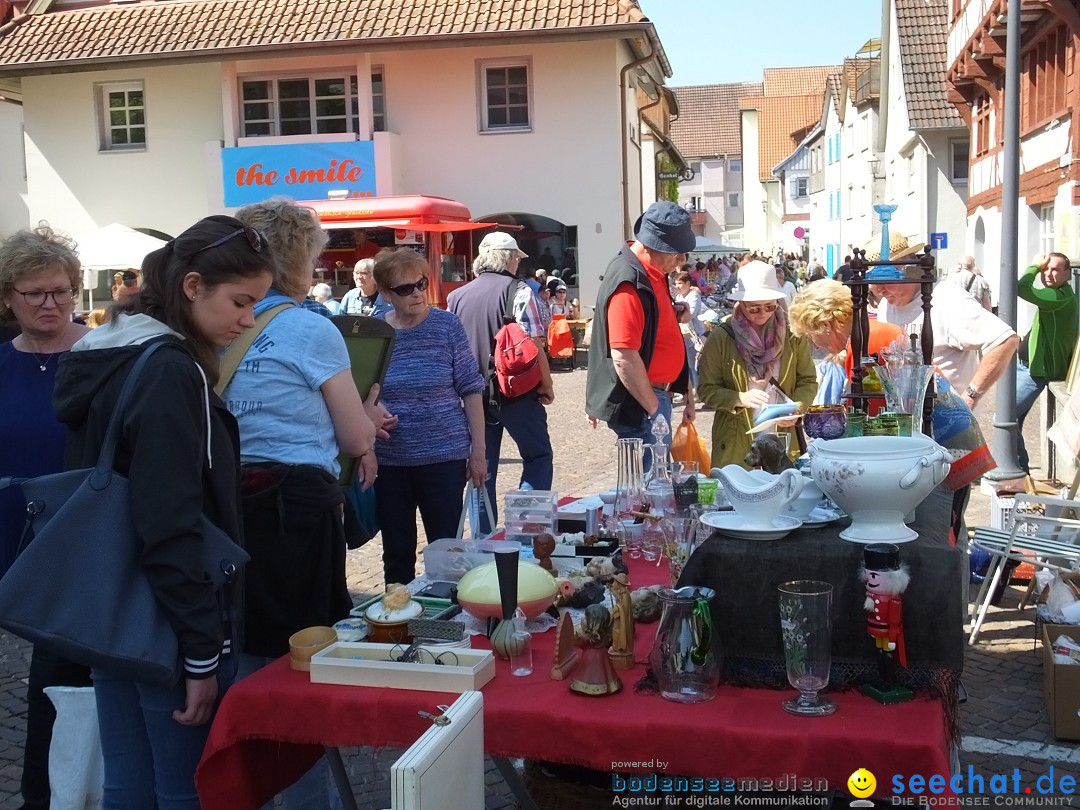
[885, 579]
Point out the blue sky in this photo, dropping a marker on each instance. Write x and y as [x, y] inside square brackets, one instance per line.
[719, 41]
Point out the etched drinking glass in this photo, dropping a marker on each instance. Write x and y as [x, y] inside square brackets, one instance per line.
[806, 631]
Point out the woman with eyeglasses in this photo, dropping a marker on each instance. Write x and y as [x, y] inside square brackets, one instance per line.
[178, 451]
[746, 353]
[434, 387]
[39, 284]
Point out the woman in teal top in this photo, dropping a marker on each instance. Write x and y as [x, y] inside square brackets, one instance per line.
[1046, 352]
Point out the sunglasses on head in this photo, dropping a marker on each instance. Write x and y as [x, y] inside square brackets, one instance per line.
[754, 309]
[407, 289]
[254, 238]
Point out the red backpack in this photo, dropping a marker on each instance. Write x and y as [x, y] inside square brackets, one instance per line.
[516, 357]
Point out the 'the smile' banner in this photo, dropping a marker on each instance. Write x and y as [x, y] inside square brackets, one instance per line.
[302, 171]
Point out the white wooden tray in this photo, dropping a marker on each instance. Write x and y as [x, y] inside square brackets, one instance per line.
[361, 663]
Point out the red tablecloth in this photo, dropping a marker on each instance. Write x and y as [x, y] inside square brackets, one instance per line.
[271, 727]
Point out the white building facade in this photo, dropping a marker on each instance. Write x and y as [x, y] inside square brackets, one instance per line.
[488, 121]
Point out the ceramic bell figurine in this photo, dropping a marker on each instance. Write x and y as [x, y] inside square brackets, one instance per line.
[594, 674]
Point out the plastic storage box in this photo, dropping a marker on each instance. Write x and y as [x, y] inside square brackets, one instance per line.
[527, 513]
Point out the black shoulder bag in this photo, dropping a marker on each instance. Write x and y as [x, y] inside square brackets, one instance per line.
[78, 589]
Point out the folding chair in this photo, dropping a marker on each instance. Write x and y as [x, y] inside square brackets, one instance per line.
[1043, 531]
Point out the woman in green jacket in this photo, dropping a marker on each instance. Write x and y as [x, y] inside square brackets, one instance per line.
[743, 354]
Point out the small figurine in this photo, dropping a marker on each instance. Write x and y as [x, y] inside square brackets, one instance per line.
[579, 592]
[621, 650]
[594, 675]
[564, 657]
[543, 547]
[885, 579]
[646, 604]
[767, 451]
[604, 568]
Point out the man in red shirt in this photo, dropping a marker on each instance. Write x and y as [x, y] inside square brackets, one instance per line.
[637, 357]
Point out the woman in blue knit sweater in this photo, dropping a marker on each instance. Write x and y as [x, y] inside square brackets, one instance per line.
[434, 386]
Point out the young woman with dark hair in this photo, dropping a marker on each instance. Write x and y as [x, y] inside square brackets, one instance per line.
[179, 450]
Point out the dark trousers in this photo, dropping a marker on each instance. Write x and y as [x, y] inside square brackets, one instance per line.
[46, 669]
[436, 489]
[525, 419]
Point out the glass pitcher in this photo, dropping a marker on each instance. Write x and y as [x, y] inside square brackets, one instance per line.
[659, 487]
[630, 490]
[684, 656]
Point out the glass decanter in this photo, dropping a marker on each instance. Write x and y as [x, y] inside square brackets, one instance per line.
[659, 488]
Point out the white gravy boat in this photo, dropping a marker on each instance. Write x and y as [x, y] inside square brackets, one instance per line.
[757, 496]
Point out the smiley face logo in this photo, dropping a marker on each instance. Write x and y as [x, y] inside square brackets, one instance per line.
[861, 783]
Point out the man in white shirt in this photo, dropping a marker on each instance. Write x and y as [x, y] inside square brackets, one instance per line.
[962, 329]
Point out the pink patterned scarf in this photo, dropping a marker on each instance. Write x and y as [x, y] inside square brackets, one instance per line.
[759, 351]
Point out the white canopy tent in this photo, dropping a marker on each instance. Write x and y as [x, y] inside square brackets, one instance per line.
[704, 245]
[114, 247]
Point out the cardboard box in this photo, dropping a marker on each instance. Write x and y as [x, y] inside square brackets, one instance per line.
[1061, 685]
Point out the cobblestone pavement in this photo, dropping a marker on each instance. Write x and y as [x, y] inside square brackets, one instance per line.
[1004, 723]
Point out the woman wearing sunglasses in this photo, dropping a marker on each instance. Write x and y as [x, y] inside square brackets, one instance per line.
[743, 354]
[433, 385]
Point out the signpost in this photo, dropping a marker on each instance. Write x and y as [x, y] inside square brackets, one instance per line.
[799, 233]
[685, 174]
[939, 241]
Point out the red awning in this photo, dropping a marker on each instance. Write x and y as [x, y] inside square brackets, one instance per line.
[412, 225]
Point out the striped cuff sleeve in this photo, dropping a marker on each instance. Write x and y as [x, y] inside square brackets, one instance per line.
[200, 668]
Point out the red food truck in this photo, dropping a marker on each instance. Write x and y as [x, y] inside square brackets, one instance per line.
[437, 228]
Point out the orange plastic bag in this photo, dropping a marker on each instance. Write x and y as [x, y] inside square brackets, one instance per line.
[560, 339]
[686, 445]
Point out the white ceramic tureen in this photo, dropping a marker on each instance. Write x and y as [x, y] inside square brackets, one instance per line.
[877, 480]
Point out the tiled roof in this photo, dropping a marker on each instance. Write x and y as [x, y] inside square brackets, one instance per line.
[800, 81]
[97, 35]
[835, 83]
[708, 122]
[783, 122]
[922, 32]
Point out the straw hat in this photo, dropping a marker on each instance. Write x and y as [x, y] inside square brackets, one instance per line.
[756, 282]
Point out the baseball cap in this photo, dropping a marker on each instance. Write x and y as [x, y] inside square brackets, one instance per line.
[500, 240]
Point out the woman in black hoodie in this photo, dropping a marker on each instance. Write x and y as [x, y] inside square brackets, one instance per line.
[178, 448]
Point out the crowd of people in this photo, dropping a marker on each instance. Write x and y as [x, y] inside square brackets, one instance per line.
[248, 416]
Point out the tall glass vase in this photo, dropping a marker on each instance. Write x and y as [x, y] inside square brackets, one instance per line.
[630, 489]
[806, 630]
[905, 389]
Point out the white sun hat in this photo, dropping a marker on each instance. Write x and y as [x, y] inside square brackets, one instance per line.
[756, 281]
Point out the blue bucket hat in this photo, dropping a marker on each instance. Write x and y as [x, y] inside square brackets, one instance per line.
[665, 228]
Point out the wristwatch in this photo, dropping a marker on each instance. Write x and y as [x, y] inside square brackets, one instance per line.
[971, 392]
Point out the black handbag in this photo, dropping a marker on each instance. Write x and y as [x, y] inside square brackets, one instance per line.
[78, 589]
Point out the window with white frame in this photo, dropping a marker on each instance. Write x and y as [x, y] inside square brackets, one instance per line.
[1047, 242]
[909, 171]
[865, 131]
[802, 187]
[958, 161]
[122, 113]
[378, 98]
[307, 105]
[733, 200]
[504, 96]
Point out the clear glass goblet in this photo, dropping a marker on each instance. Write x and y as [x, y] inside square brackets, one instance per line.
[806, 630]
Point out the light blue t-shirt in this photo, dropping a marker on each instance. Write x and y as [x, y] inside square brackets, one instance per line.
[276, 397]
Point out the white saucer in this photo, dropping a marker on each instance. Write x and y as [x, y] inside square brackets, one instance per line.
[822, 516]
[732, 524]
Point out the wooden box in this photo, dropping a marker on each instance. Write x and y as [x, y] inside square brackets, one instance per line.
[361, 663]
